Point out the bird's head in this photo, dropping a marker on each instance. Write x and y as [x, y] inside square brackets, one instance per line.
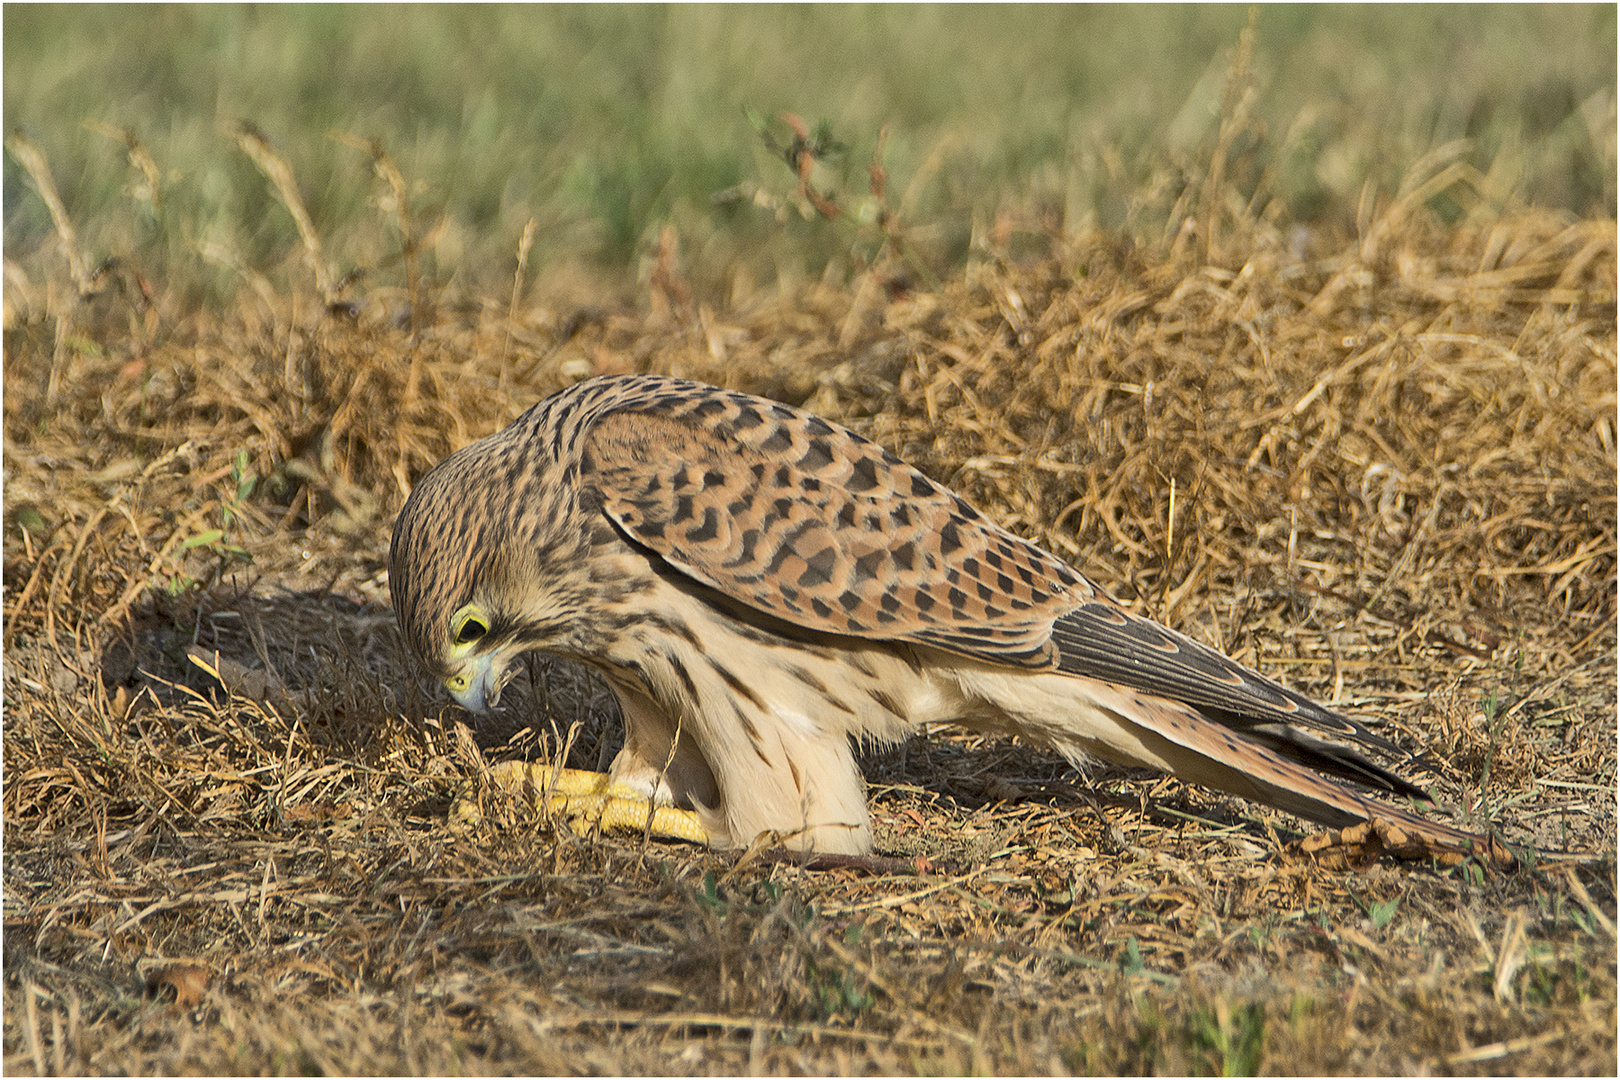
[460, 588]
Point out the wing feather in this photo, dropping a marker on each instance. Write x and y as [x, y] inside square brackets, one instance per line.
[816, 525]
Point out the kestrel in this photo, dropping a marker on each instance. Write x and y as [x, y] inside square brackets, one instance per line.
[759, 586]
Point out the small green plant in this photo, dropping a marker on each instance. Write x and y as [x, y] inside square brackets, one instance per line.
[762, 897]
[1077, 1057]
[1131, 962]
[1542, 983]
[837, 991]
[214, 540]
[243, 482]
[1382, 911]
[1493, 727]
[29, 519]
[1232, 1039]
[1378, 912]
[708, 895]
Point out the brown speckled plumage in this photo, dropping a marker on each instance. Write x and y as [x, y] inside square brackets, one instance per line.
[759, 585]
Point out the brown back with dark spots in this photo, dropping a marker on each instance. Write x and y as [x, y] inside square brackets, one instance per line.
[818, 526]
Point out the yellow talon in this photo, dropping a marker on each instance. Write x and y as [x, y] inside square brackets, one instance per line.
[629, 814]
[588, 800]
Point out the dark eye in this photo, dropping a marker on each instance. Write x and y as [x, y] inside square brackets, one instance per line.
[471, 630]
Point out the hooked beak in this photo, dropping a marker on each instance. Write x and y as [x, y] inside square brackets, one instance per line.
[482, 689]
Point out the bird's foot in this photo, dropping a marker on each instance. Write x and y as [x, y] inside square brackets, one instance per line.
[586, 801]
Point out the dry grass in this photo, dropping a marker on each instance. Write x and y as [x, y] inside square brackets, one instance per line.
[1380, 468]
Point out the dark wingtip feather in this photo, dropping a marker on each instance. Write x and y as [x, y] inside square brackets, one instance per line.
[1326, 757]
[1105, 642]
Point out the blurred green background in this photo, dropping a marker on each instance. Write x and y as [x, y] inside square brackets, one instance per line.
[605, 123]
